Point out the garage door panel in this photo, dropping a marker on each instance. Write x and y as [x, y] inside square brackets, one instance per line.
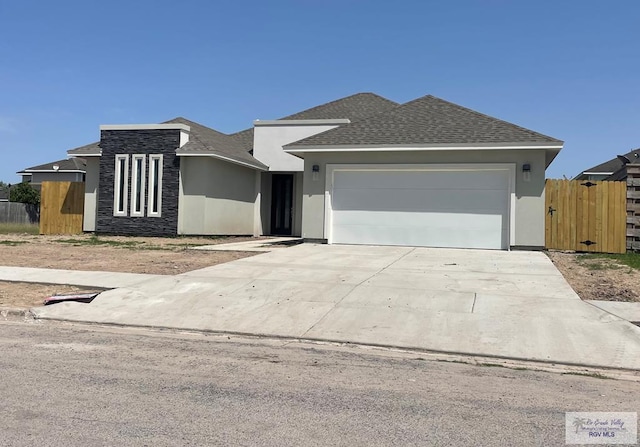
[466, 208]
[420, 200]
[371, 235]
[426, 221]
[403, 179]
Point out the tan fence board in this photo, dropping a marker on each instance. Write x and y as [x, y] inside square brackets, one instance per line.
[582, 213]
[61, 207]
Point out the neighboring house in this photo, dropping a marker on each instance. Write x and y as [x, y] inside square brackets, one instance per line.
[612, 170]
[68, 170]
[359, 170]
[4, 195]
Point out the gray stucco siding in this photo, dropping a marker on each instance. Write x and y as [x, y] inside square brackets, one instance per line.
[529, 196]
[38, 177]
[134, 142]
[91, 193]
[216, 197]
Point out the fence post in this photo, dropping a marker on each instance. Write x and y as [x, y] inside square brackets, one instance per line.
[633, 207]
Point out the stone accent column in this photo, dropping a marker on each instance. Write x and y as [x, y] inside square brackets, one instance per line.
[633, 207]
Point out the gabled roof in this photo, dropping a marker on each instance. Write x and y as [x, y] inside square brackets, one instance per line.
[425, 121]
[66, 165]
[204, 140]
[86, 150]
[354, 108]
[615, 164]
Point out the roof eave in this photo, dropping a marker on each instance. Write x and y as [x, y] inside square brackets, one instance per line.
[70, 154]
[222, 157]
[550, 146]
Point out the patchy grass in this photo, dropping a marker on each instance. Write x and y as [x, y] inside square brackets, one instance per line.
[593, 263]
[13, 243]
[95, 240]
[13, 228]
[629, 259]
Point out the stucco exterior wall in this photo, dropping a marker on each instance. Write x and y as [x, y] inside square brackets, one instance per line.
[38, 177]
[91, 193]
[529, 206]
[268, 140]
[216, 197]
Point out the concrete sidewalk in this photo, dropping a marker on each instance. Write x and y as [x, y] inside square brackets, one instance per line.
[492, 303]
[102, 280]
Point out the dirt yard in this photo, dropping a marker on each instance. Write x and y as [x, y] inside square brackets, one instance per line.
[20, 295]
[160, 256]
[596, 278]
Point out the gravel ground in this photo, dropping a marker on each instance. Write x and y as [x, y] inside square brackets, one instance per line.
[598, 278]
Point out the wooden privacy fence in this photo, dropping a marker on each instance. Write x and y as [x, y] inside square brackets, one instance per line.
[61, 207]
[633, 207]
[584, 215]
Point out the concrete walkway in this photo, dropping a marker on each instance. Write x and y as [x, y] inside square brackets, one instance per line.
[494, 303]
[626, 311]
[102, 280]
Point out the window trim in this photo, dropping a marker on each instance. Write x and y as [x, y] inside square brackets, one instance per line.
[118, 182]
[153, 176]
[135, 194]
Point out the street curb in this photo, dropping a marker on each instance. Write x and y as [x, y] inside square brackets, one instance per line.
[542, 365]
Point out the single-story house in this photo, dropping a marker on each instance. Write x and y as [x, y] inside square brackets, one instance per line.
[611, 170]
[359, 170]
[67, 170]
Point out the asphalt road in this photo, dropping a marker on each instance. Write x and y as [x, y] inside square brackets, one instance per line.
[64, 385]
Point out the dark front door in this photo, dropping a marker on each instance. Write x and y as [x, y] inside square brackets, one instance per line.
[282, 204]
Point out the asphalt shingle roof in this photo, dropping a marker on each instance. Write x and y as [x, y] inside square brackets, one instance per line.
[423, 121]
[615, 164]
[354, 108]
[87, 149]
[68, 164]
[205, 140]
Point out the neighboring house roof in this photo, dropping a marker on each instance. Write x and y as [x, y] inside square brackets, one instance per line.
[204, 140]
[355, 107]
[614, 165]
[66, 165]
[86, 150]
[425, 121]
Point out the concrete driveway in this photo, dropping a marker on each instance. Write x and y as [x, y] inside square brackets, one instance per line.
[509, 304]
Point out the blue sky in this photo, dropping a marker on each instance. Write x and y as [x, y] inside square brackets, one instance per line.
[569, 69]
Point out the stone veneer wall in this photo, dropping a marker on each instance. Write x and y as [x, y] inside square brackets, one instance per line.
[633, 207]
[116, 142]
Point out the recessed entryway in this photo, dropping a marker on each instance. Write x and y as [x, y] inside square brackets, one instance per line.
[282, 204]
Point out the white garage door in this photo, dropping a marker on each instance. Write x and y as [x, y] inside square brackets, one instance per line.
[430, 206]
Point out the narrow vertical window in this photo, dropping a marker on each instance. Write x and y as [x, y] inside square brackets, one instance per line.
[121, 185]
[138, 185]
[155, 186]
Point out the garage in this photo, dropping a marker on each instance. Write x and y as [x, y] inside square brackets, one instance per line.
[457, 206]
